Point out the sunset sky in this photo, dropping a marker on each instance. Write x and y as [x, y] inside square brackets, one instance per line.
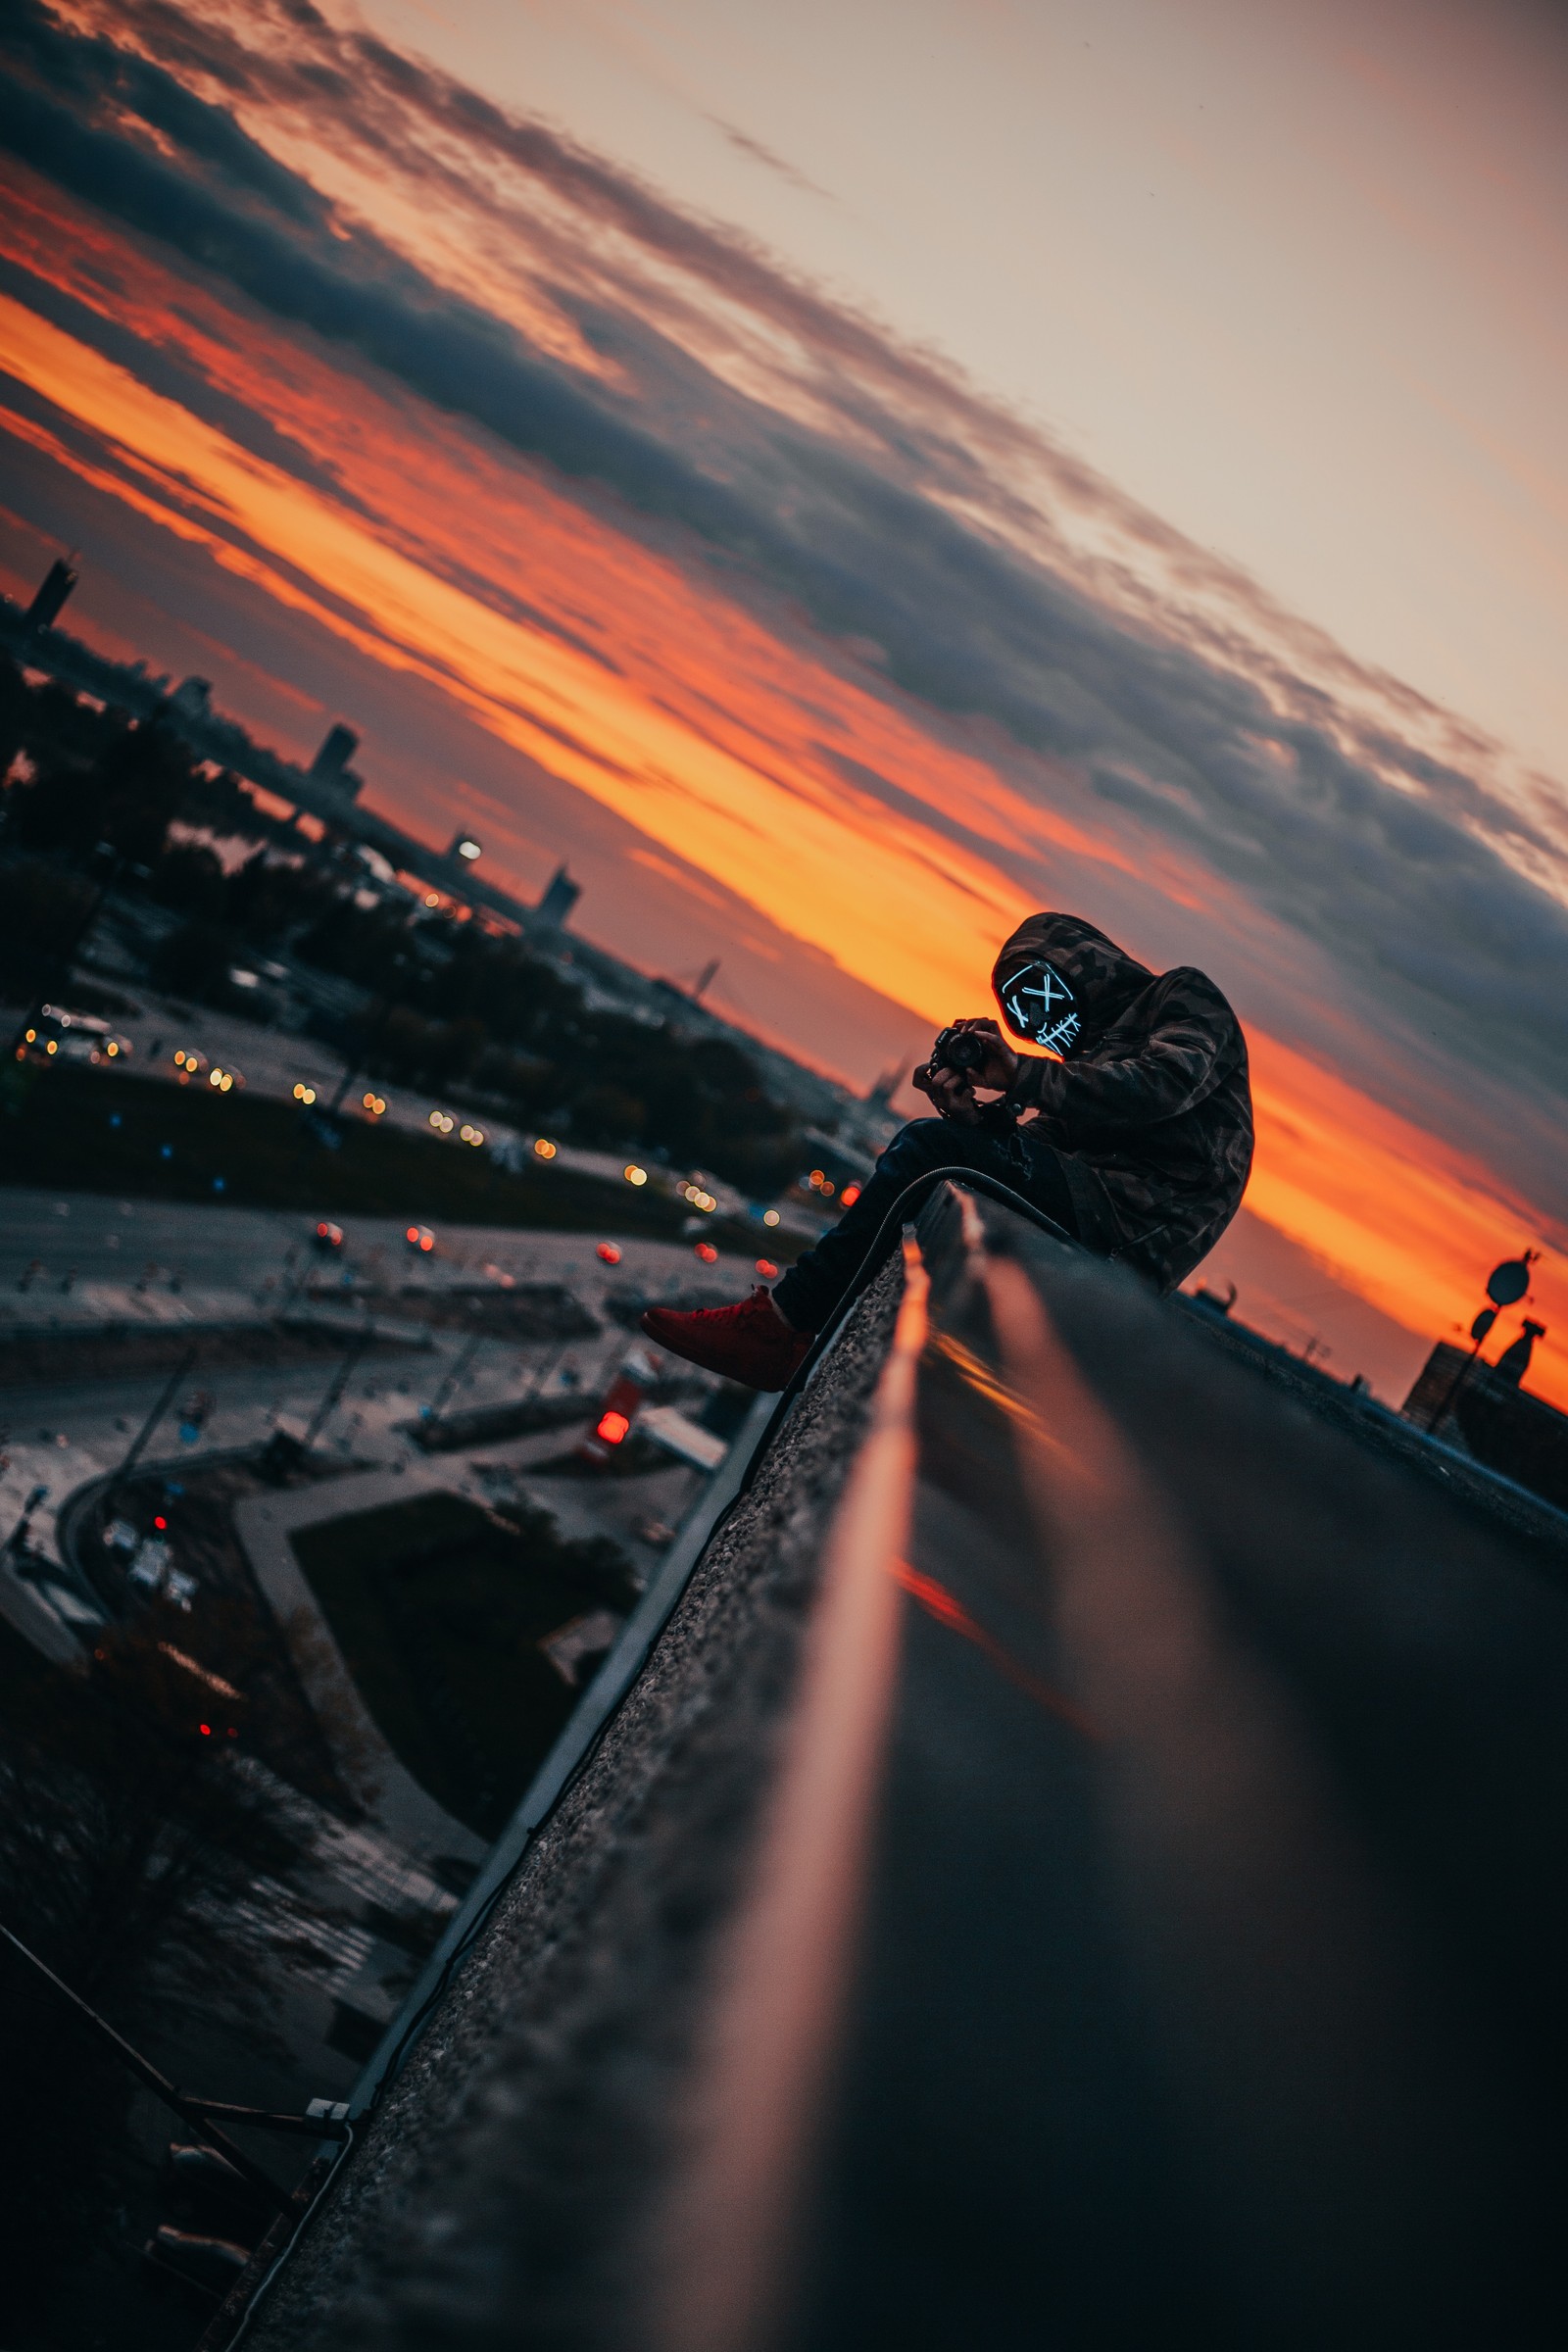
[847, 476]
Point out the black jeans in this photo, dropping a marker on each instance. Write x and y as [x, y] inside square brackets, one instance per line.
[815, 1285]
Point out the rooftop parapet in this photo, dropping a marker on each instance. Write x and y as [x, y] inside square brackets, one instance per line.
[1076, 1868]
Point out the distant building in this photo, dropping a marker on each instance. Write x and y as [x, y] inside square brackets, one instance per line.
[1483, 1408]
[47, 606]
[559, 899]
[331, 762]
[193, 699]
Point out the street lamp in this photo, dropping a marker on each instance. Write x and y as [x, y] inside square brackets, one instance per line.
[1506, 1285]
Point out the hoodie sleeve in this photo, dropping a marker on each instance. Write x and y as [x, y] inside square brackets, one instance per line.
[1161, 1073]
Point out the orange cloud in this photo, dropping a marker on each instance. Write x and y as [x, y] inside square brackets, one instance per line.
[1399, 1217]
[688, 735]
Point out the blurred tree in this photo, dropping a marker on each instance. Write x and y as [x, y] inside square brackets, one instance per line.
[608, 1115]
[222, 803]
[357, 942]
[60, 725]
[190, 877]
[271, 896]
[15, 704]
[40, 905]
[126, 792]
[194, 962]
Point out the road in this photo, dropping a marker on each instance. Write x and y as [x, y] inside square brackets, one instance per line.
[61, 1434]
[108, 1239]
[273, 1061]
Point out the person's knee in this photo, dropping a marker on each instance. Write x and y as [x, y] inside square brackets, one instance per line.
[922, 1143]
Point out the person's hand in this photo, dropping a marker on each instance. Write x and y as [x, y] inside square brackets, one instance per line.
[1001, 1065]
[951, 1092]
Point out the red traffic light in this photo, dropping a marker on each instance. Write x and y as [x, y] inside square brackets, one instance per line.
[613, 1427]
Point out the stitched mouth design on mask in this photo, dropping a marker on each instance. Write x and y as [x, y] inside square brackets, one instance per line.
[1039, 1005]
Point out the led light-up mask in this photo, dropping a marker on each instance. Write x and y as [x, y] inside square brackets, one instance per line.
[1039, 1005]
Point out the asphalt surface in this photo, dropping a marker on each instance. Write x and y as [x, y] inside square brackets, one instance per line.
[104, 1239]
[274, 1062]
[218, 1261]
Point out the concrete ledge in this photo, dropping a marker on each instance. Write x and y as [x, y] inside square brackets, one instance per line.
[494, 2187]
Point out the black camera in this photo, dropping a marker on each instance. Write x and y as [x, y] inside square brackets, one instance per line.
[959, 1050]
[967, 1050]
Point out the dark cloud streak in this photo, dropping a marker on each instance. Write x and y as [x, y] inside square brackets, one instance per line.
[754, 151]
[163, 373]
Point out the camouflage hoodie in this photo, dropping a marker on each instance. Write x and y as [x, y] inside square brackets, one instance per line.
[1149, 1110]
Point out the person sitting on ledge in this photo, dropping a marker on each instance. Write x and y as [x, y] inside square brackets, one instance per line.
[1132, 1131]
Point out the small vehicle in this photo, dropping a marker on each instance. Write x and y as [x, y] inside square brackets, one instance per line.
[151, 1564]
[421, 1240]
[328, 1237]
[188, 1063]
[58, 1035]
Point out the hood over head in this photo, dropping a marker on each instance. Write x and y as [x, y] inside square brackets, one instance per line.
[1059, 982]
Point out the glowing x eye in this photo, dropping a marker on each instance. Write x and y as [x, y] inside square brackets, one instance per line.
[1039, 1005]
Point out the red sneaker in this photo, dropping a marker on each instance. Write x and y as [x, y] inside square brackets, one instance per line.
[746, 1343]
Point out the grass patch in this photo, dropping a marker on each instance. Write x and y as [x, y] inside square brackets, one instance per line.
[71, 1127]
[439, 1608]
